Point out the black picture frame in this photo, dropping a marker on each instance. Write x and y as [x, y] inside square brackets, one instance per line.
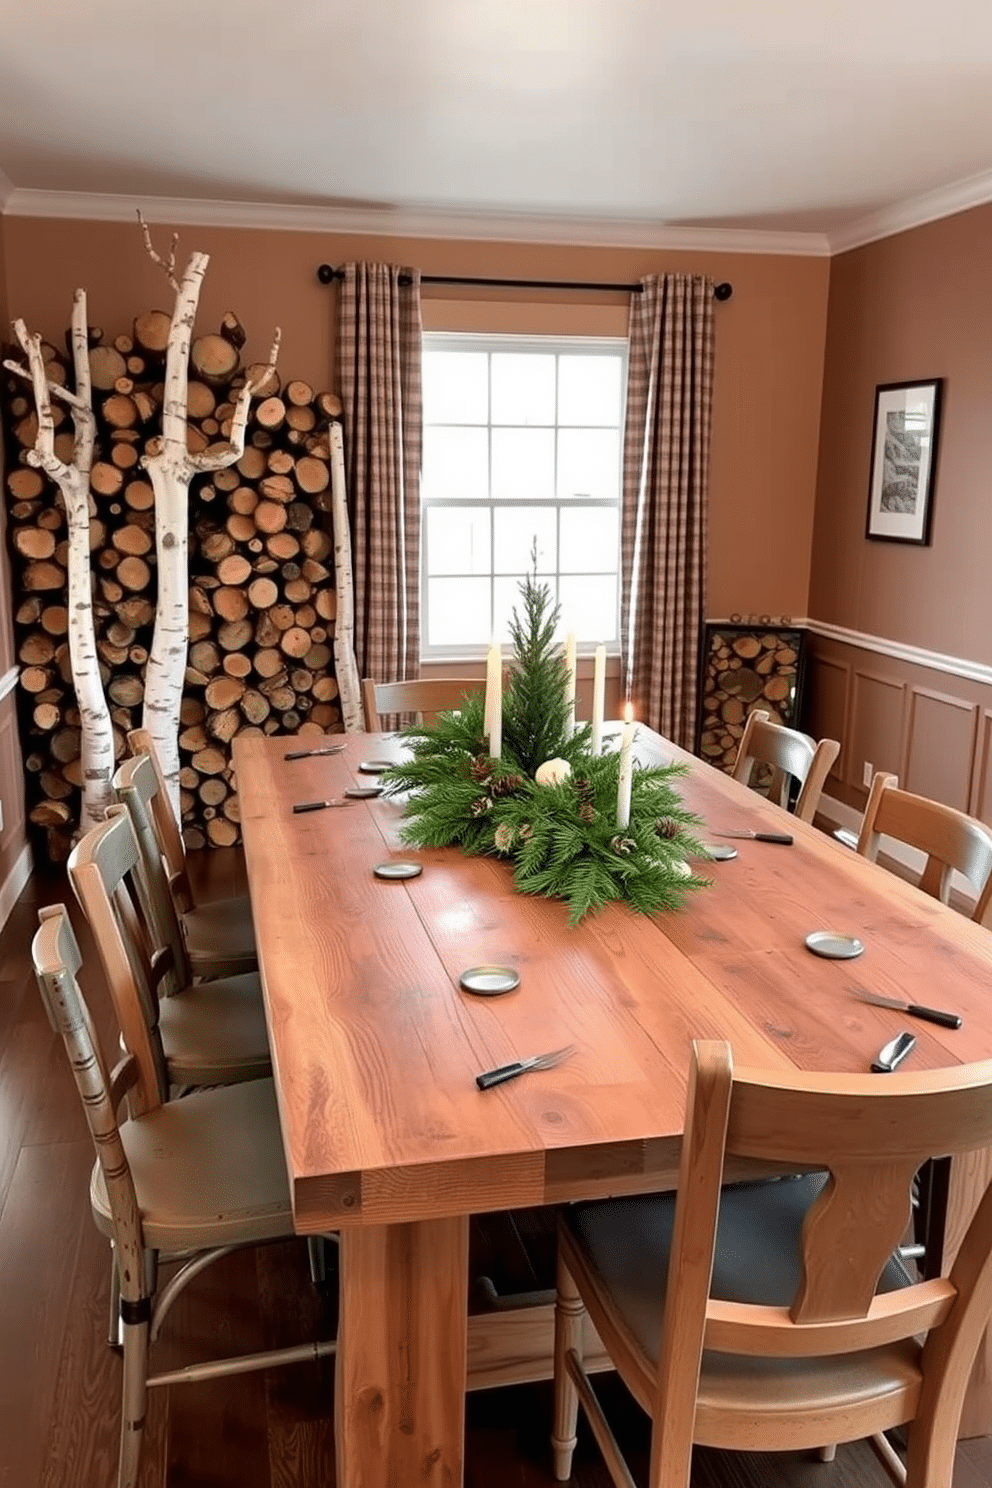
[903, 461]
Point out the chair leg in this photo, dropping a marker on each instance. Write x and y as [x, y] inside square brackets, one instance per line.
[114, 1322]
[317, 1252]
[133, 1402]
[569, 1315]
[827, 1454]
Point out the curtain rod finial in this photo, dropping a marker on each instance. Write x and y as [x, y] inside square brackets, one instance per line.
[326, 274]
[723, 291]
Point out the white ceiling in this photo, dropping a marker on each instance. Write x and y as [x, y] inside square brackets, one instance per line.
[778, 116]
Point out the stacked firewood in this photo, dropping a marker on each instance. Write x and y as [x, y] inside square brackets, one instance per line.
[262, 601]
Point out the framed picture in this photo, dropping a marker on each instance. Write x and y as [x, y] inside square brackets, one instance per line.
[903, 458]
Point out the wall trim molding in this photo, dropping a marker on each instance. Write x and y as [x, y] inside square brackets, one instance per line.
[9, 681]
[6, 190]
[410, 222]
[13, 885]
[928, 206]
[937, 661]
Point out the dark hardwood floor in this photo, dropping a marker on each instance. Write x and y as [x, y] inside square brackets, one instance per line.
[59, 1383]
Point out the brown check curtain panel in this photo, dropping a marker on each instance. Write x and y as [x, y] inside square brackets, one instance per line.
[664, 522]
[379, 336]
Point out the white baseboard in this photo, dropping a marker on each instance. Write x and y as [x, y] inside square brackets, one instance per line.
[907, 857]
[13, 885]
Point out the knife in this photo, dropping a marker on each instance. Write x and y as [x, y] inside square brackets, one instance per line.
[915, 1010]
[510, 1071]
[782, 837]
[893, 1054]
[306, 753]
[302, 806]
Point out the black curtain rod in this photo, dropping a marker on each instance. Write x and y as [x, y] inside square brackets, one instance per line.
[326, 273]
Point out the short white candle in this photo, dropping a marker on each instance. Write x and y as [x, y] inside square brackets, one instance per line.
[570, 683]
[626, 768]
[493, 724]
[598, 699]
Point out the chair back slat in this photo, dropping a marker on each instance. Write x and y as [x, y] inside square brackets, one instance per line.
[424, 699]
[137, 786]
[951, 840]
[101, 870]
[56, 958]
[170, 838]
[790, 755]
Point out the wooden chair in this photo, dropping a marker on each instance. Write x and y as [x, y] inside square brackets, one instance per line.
[792, 756]
[219, 935]
[424, 699]
[210, 1034]
[773, 1315]
[951, 840]
[204, 1174]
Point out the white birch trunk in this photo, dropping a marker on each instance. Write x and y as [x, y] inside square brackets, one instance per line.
[345, 665]
[171, 468]
[96, 732]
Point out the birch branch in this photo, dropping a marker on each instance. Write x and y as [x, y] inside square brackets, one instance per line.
[55, 389]
[235, 447]
[43, 455]
[168, 267]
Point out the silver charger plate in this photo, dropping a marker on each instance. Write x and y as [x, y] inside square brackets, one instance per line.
[398, 869]
[362, 792]
[489, 981]
[833, 945]
[375, 767]
[720, 852]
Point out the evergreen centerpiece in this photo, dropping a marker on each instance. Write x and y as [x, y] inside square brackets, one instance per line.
[546, 804]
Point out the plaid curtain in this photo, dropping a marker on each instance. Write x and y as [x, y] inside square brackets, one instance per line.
[379, 347]
[664, 521]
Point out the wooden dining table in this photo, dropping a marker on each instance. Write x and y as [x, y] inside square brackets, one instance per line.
[375, 1050]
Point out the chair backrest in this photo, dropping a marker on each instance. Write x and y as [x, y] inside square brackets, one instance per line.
[57, 961]
[170, 838]
[951, 840]
[424, 699]
[791, 756]
[137, 786]
[871, 1134]
[103, 871]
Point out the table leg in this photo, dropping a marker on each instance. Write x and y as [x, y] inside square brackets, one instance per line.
[970, 1176]
[400, 1372]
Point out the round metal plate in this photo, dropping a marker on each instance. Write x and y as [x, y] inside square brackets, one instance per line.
[720, 852]
[375, 767]
[490, 981]
[834, 946]
[362, 792]
[398, 870]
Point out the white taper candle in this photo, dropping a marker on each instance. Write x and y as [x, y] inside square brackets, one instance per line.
[493, 723]
[570, 683]
[626, 768]
[598, 699]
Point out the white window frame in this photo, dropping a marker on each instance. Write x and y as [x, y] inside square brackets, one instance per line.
[500, 342]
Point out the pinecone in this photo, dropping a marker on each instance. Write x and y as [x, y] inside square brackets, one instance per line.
[622, 846]
[587, 812]
[583, 785]
[479, 768]
[480, 806]
[506, 785]
[667, 826]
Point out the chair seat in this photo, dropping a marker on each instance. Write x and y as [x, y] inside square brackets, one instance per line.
[208, 1170]
[626, 1243]
[220, 937]
[215, 1033]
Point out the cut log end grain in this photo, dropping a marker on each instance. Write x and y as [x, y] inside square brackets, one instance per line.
[214, 360]
[106, 365]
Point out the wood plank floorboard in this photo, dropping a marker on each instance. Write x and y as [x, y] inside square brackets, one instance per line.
[60, 1384]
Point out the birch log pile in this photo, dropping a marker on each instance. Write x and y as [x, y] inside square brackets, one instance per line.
[262, 601]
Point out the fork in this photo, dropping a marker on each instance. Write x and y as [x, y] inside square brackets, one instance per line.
[510, 1071]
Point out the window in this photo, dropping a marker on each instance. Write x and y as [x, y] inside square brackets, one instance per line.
[522, 446]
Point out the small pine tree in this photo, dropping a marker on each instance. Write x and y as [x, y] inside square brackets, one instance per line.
[535, 707]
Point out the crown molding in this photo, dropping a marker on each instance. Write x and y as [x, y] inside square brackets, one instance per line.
[930, 206]
[410, 222]
[7, 190]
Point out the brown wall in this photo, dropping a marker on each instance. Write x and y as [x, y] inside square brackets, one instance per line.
[770, 339]
[914, 306]
[917, 305]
